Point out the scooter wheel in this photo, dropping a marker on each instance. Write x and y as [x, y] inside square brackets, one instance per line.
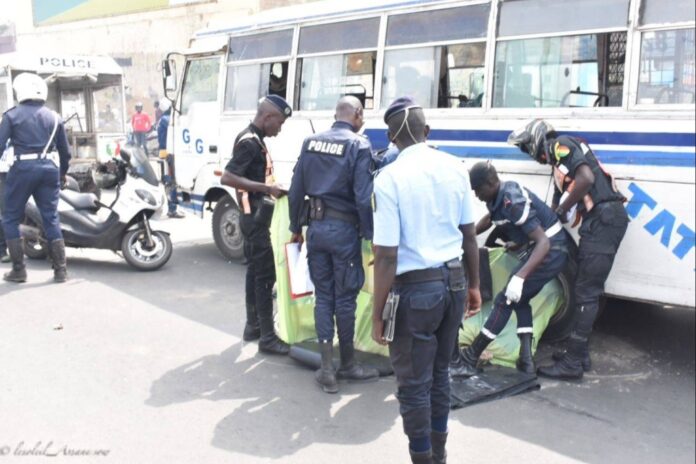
[143, 257]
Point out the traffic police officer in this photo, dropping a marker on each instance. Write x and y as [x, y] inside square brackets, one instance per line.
[35, 133]
[333, 170]
[527, 220]
[250, 171]
[423, 216]
[582, 184]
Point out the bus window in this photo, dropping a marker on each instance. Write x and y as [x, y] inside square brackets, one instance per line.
[200, 83]
[569, 71]
[267, 75]
[441, 75]
[324, 78]
[3, 97]
[667, 67]
[578, 70]
[74, 110]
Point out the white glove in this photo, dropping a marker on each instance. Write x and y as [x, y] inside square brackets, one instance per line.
[513, 292]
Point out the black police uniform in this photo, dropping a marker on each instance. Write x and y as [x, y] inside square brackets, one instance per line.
[604, 223]
[35, 133]
[518, 212]
[249, 160]
[334, 171]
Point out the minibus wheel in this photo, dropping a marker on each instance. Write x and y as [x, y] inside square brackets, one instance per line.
[227, 231]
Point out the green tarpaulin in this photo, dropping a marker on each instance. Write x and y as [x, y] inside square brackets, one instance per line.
[295, 317]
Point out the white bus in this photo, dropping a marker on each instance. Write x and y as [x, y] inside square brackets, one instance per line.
[618, 73]
[87, 91]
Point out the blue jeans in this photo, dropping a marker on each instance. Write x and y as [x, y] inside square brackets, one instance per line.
[335, 265]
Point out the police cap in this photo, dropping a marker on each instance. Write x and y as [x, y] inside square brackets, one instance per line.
[399, 105]
[480, 173]
[280, 103]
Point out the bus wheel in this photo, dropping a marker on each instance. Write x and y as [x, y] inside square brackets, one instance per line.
[562, 322]
[227, 231]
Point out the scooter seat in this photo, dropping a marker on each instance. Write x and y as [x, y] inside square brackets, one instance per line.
[80, 200]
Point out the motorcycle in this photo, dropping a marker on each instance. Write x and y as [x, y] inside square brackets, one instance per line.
[123, 226]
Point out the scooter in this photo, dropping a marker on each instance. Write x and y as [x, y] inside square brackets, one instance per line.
[124, 225]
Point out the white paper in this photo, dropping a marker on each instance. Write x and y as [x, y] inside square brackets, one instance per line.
[298, 269]
[570, 214]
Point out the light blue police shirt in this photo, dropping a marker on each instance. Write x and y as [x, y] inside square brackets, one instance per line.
[420, 201]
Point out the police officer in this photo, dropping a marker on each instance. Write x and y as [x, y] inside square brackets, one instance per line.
[581, 184]
[333, 170]
[423, 216]
[35, 133]
[527, 220]
[250, 171]
[169, 178]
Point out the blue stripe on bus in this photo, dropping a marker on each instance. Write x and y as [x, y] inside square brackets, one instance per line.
[640, 158]
[670, 139]
[637, 158]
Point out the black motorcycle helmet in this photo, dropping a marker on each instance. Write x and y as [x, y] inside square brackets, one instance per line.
[533, 139]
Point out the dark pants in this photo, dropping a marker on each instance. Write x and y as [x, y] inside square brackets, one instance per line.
[260, 275]
[140, 139]
[170, 185]
[3, 245]
[37, 178]
[600, 236]
[427, 322]
[335, 265]
[550, 267]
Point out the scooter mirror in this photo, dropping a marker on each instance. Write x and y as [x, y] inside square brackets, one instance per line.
[126, 154]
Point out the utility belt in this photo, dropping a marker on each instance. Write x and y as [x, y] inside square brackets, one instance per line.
[318, 211]
[455, 276]
[554, 229]
[53, 156]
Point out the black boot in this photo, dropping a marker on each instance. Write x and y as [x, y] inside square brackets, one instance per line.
[525, 361]
[252, 331]
[586, 360]
[19, 271]
[57, 252]
[466, 366]
[569, 367]
[425, 457]
[439, 440]
[326, 374]
[269, 342]
[352, 370]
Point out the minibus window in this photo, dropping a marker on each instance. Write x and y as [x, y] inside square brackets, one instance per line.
[569, 71]
[3, 97]
[200, 82]
[528, 17]
[258, 46]
[325, 79]
[667, 67]
[667, 11]
[246, 84]
[448, 76]
[347, 35]
[469, 22]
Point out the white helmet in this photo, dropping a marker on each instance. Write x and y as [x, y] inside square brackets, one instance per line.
[164, 105]
[28, 86]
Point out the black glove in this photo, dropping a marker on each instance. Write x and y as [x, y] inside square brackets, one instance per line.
[562, 216]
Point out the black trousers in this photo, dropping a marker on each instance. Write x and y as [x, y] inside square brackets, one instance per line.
[427, 323]
[600, 236]
[260, 275]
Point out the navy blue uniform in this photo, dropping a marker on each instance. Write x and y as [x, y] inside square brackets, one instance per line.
[28, 127]
[518, 212]
[603, 226]
[334, 167]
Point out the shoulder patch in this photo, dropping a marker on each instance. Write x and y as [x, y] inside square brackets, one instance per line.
[560, 151]
[327, 148]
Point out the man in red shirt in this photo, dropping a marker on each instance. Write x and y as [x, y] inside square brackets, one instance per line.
[141, 124]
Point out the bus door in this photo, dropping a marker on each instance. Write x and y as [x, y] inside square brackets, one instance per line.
[196, 125]
[5, 93]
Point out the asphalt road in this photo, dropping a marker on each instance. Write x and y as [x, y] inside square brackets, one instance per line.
[127, 367]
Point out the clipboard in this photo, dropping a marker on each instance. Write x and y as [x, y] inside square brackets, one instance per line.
[298, 270]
